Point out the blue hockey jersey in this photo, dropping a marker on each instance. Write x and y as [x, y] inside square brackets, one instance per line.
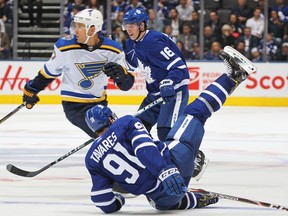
[126, 154]
[157, 57]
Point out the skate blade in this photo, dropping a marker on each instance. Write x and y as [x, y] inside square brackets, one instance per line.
[241, 60]
[206, 161]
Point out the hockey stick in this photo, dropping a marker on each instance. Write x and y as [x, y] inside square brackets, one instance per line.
[239, 199]
[159, 100]
[17, 171]
[20, 172]
[12, 113]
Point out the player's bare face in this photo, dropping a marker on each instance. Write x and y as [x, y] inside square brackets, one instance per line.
[80, 32]
[132, 30]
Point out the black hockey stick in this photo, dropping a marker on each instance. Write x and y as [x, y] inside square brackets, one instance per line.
[17, 171]
[20, 172]
[12, 113]
[239, 199]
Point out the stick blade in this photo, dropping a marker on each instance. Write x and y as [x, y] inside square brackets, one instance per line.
[15, 170]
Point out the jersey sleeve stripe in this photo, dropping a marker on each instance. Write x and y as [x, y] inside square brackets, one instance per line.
[105, 203]
[182, 83]
[111, 48]
[69, 47]
[182, 67]
[164, 147]
[153, 189]
[173, 62]
[140, 136]
[100, 192]
[145, 144]
[44, 72]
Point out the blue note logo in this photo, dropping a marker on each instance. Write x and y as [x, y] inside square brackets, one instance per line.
[89, 71]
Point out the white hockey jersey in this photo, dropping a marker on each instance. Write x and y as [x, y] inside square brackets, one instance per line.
[83, 80]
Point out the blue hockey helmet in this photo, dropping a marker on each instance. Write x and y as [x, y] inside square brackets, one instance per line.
[98, 117]
[137, 15]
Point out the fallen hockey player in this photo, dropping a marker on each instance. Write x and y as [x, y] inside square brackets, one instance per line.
[125, 153]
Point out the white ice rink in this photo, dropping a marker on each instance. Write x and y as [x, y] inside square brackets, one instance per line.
[247, 148]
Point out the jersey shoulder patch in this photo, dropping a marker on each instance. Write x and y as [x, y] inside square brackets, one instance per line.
[111, 45]
[67, 43]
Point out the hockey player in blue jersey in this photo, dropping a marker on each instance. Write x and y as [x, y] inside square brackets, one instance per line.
[163, 65]
[125, 153]
[81, 59]
[164, 68]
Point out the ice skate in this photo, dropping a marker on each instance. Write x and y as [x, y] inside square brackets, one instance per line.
[200, 164]
[238, 66]
[205, 200]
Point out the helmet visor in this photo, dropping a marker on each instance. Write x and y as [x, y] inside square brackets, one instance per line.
[132, 25]
[77, 25]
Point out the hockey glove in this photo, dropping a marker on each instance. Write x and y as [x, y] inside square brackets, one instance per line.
[167, 90]
[30, 95]
[172, 181]
[115, 71]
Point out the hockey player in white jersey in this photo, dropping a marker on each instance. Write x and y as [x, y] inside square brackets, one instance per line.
[81, 59]
[125, 153]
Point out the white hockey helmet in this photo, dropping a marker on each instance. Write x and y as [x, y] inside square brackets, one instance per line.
[90, 17]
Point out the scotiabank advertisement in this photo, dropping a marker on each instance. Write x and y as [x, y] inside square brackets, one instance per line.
[269, 82]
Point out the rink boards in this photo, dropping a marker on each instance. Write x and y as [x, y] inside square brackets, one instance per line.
[267, 87]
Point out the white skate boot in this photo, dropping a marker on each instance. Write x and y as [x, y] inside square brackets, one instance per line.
[238, 66]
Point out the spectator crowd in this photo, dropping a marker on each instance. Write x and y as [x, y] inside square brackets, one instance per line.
[238, 23]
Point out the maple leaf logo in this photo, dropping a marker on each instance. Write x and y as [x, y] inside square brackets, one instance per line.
[145, 72]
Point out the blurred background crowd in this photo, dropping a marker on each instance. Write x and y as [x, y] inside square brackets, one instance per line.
[256, 28]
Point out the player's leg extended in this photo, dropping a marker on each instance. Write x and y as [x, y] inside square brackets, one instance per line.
[214, 96]
[185, 137]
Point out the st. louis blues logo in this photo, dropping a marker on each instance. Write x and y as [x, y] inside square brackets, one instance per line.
[89, 71]
[90, 12]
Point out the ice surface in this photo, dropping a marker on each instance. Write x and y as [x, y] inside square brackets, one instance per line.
[247, 148]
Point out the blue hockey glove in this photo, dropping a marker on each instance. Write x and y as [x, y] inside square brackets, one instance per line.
[172, 181]
[30, 95]
[115, 71]
[167, 90]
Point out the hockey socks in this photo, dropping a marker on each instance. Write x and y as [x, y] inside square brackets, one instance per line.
[211, 99]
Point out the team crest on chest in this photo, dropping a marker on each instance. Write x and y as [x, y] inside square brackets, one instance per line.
[89, 71]
[145, 72]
